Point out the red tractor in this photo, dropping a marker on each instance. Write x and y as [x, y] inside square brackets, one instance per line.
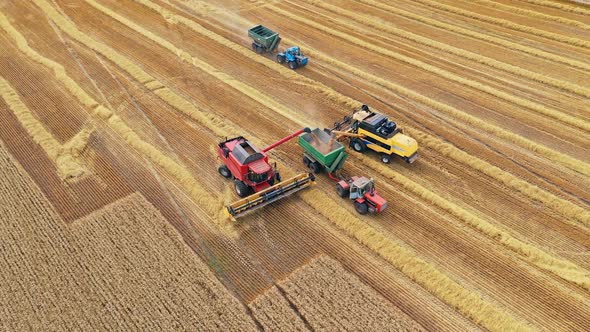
[362, 191]
[253, 176]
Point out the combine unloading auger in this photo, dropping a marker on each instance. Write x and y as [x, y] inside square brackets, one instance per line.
[269, 195]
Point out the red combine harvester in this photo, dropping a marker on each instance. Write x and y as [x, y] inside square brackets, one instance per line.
[254, 178]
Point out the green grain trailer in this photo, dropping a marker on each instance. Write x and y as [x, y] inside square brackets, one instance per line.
[318, 155]
[265, 40]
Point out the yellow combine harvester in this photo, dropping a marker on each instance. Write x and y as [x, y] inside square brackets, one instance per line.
[369, 130]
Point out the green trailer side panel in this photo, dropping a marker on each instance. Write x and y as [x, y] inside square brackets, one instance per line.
[265, 37]
[333, 159]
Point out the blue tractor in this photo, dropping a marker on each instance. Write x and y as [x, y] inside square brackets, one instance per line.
[293, 57]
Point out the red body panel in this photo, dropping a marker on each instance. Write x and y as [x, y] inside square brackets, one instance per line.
[241, 171]
[379, 202]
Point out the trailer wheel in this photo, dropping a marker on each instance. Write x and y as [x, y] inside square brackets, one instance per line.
[306, 161]
[280, 58]
[344, 193]
[242, 189]
[361, 208]
[224, 171]
[385, 158]
[254, 47]
[315, 167]
[293, 65]
[358, 145]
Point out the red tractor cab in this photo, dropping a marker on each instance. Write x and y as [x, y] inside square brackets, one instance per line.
[362, 191]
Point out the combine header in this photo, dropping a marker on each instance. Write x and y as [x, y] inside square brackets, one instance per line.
[254, 178]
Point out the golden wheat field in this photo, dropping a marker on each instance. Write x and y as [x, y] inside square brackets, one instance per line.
[111, 205]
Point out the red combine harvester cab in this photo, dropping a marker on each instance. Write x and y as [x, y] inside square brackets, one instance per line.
[247, 165]
[362, 191]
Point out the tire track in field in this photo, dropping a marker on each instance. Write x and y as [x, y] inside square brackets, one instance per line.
[479, 36]
[560, 205]
[440, 72]
[469, 303]
[381, 25]
[507, 24]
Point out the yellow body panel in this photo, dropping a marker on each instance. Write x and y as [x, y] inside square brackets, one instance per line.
[399, 144]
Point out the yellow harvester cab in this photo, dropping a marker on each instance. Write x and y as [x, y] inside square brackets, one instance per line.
[379, 134]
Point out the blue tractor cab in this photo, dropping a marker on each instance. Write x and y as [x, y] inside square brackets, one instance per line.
[293, 57]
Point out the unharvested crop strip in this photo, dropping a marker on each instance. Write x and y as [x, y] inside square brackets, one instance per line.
[532, 13]
[178, 171]
[441, 72]
[507, 24]
[65, 157]
[467, 302]
[384, 26]
[560, 205]
[479, 36]
[559, 5]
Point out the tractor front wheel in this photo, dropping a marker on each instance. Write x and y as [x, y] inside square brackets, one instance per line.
[358, 145]
[361, 208]
[293, 65]
[344, 193]
[242, 189]
[224, 171]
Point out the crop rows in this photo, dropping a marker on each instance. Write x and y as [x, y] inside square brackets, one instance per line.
[508, 24]
[123, 267]
[561, 205]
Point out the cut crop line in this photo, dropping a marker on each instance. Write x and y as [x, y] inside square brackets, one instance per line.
[479, 36]
[443, 73]
[562, 6]
[65, 157]
[559, 204]
[384, 26]
[99, 112]
[560, 267]
[571, 162]
[453, 293]
[532, 13]
[507, 24]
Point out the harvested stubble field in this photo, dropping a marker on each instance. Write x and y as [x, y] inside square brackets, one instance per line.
[110, 111]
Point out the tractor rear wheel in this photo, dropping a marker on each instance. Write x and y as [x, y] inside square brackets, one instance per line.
[293, 65]
[344, 193]
[358, 145]
[242, 189]
[315, 167]
[361, 208]
[280, 58]
[224, 171]
[385, 158]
